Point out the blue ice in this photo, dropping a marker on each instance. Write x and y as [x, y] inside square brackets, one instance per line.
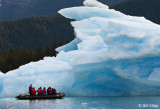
[113, 54]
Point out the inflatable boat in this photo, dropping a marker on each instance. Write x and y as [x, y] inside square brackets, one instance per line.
[31, 97]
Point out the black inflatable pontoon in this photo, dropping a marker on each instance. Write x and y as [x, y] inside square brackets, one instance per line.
[29, 97]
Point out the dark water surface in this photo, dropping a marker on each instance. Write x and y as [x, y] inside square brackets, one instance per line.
[142, 102]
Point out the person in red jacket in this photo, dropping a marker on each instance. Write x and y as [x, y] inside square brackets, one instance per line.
[30, 89]
[33, 91]
[50, 91]
[44, 91]
[39, 91]
[54, 91]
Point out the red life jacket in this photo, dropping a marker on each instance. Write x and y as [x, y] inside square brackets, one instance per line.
[39, 92]
[30, 88]
[44, 91]
[33, 91]
[55, 91]
[50, 91]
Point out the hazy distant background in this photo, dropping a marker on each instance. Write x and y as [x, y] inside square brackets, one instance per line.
[14, 9]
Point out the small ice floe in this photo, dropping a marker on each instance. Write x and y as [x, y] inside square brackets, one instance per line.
[84, 103]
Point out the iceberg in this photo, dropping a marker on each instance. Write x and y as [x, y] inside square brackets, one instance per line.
[113, 54]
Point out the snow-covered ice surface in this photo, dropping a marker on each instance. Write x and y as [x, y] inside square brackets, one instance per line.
[112, 55]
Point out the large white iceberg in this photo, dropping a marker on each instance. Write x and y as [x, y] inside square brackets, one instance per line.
[112, 55]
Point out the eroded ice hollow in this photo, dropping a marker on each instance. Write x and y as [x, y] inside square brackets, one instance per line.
[112, 55]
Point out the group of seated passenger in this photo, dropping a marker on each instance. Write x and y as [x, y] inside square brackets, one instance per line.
[50, 91]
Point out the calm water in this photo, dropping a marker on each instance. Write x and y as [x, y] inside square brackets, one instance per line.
[151, 102]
